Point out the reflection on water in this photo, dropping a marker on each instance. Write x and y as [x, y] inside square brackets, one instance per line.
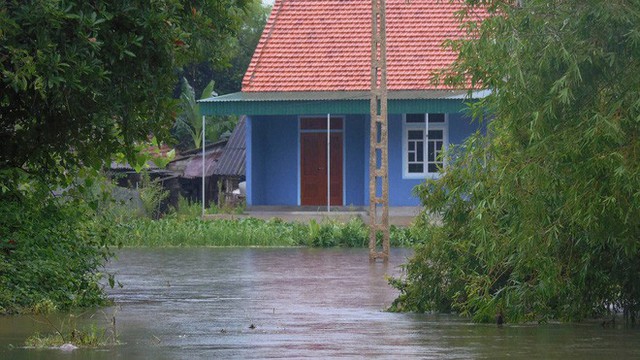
[292, 303]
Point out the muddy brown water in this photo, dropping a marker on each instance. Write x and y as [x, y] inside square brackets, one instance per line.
[294, 303]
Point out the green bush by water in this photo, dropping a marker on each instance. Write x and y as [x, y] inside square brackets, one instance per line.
[51, 252]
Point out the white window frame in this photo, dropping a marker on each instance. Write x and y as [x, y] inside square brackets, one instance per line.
[426, 126]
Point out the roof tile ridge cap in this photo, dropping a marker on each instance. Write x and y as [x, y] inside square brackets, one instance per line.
[255, 60]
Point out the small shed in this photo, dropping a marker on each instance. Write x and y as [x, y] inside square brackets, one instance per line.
[190, 164]
[128, 182]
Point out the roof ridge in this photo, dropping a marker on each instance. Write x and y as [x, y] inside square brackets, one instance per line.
[255, 59]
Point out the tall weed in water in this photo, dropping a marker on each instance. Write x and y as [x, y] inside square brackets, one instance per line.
[68, 331]
[152, 195]
[187, 208]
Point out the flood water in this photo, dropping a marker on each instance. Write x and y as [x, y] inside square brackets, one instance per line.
[294, 303]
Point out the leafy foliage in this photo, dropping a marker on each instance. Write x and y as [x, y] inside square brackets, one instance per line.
[228, 74]
[81, 81]
[84, 79]
[51, 252]
[68, 331]
[190, 121]
[152, 194]
[541, 215]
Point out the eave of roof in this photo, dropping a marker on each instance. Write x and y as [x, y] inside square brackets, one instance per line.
[336, 102]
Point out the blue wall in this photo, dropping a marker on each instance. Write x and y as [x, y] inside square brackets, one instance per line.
[273, 159]
[401, 190]
[355, 160]
[460, 127]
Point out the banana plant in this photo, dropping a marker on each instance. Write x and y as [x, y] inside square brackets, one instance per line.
[190, 118]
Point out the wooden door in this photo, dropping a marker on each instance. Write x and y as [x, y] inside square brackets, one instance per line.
[313, 168]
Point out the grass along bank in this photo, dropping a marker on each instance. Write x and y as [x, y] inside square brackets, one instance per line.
[183, 227]
[182, 231]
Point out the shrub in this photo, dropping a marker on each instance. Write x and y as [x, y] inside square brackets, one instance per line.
[52, 253]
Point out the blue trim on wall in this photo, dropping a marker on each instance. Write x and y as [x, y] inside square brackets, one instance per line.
[344, 161]
[365, 156]
[257, 161]
[400, 190]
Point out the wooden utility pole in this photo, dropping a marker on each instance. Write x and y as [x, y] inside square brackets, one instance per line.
[378, 149]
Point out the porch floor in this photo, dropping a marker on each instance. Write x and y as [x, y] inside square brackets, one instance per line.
[399, 216]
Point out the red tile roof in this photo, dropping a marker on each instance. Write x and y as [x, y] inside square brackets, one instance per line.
[324, 45]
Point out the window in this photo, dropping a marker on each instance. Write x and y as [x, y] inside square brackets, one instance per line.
[425, 138]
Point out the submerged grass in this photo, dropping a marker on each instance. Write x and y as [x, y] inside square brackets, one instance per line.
[180, 231]
[90, 337]
[67, 332]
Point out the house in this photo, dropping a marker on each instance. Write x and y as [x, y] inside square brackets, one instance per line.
[306, 99]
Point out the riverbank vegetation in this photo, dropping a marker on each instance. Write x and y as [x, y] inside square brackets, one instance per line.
[541, 214]
[183, 227]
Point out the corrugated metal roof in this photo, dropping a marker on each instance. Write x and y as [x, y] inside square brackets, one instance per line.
[218, 145]
[187, 164]
[126, 166]
[232, 161]
[194, 167]
[336, 102]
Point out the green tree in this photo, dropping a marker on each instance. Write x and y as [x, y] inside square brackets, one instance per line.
[189, 119]
[228, 74]
[188, 126]
[230, 78]
[81, 81]
[541, 214]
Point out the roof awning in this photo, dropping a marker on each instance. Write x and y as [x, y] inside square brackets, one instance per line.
[337, 102]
